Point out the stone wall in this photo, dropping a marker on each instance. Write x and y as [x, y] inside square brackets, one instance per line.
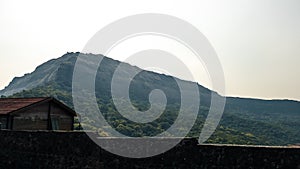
[72, 150]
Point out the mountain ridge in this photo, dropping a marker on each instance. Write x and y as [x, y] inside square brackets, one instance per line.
[16, 80]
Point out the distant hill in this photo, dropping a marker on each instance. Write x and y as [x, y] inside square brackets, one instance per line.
[245, 121]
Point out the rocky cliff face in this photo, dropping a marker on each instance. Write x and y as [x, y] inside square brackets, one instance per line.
[43, 74]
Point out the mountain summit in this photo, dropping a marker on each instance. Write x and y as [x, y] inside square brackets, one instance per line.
[43, 74]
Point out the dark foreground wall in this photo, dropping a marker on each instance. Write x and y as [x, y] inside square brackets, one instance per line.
[28, 150]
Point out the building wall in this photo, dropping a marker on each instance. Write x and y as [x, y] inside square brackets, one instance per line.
[3, 121]
[34, 118]
[63, 119]
[61, 150]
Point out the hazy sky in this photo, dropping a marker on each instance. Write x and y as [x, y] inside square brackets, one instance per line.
[257, 41]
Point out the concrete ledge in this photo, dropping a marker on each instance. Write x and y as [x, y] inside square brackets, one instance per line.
[59, 149]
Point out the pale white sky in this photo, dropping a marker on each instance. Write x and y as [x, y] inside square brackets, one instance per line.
[257, 41]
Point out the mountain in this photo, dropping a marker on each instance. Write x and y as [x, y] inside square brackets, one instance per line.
[245, 121]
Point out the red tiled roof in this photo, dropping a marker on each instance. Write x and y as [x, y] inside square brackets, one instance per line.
[8, 105]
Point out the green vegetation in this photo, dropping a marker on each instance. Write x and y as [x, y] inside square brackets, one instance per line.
[234, 128]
